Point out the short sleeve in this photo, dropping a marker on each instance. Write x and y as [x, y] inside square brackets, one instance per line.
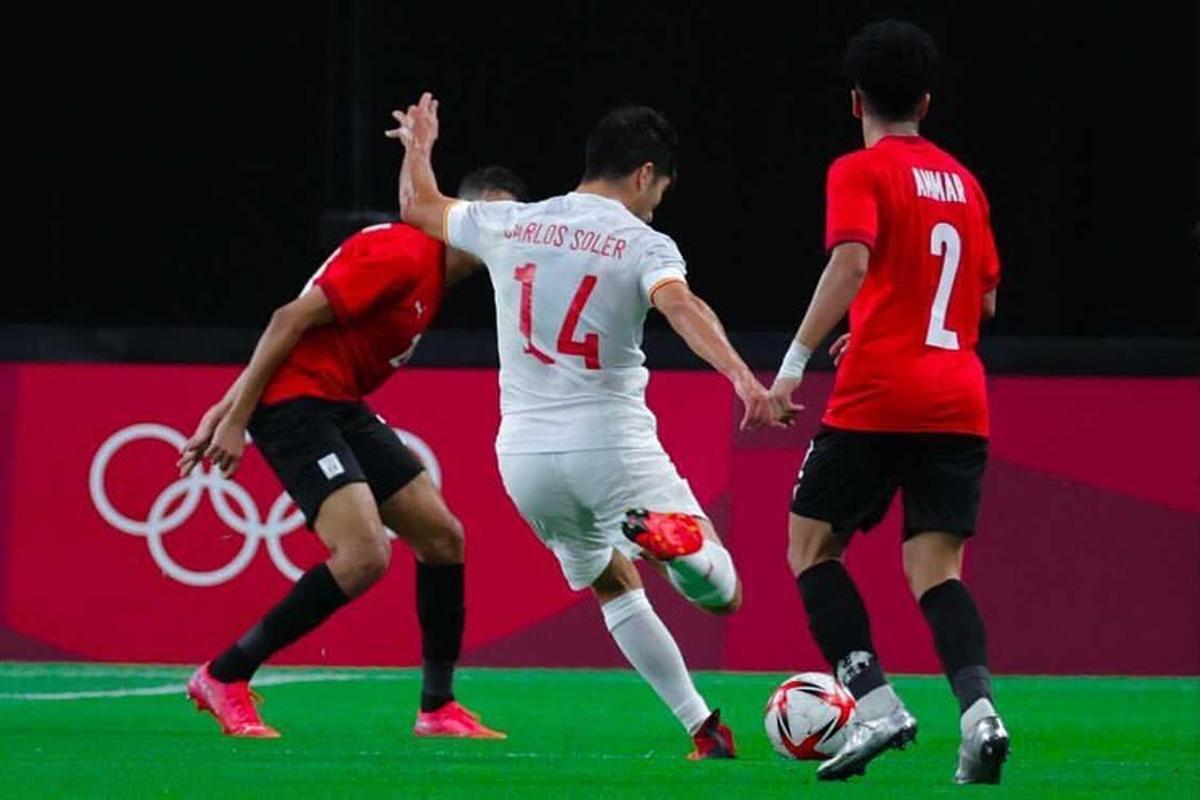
[476, 227]
[851, 204]
[370, 266]
[659, 264]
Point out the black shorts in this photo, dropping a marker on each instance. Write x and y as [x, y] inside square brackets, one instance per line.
[318, 446]
[848, 479]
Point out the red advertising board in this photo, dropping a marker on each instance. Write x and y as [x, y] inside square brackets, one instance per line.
[1086, 559]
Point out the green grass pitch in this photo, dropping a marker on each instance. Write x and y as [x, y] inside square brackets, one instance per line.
[75, 730]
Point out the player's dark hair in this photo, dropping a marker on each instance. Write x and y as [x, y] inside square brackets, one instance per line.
[625, 139]
[492, 178]
[892, 64]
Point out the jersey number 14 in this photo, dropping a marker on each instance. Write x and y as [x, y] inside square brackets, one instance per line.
[588, 348]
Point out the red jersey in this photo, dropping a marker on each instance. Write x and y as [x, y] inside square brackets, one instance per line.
[911, 365]
[385, 284]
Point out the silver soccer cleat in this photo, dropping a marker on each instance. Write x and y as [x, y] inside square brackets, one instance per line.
[982, 752]
[867, 739]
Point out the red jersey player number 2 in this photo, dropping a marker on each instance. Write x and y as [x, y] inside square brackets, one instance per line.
[944, 242]
[588, 348]
[915, 321]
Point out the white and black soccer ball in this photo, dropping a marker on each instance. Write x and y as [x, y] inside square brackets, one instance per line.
[808, 716]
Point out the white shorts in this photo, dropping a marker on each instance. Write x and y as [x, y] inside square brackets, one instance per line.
[576, 502]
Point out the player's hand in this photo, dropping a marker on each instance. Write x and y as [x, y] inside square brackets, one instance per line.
[193, 449]
[417, 127]
[754, 397]
[228, 444]
[837, 350]
[783, 410]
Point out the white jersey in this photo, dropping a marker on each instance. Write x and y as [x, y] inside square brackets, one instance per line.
[573, 279]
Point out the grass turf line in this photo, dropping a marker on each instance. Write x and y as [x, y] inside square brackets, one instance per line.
[578, 733]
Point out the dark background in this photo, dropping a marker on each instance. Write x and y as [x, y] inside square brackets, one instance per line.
[193, 165]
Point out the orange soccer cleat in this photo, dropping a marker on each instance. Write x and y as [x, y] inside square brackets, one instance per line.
[231, 703]
[453, 721]
[663, 535]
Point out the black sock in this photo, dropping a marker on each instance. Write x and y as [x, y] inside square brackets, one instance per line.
[310, 602]
[959, 637]
[441, 610]
[838, 621]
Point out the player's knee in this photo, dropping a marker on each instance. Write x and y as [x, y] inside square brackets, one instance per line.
[445, 543]
[805, 553]
[923, 578]
[618, 578]
[361, 564]
[810, 542]
[453, 540]
[930, 559]
[374, 559]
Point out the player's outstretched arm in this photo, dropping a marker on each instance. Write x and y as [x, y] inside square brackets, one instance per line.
[840, 282]
[422, 204]
[221, 434]
[699, 326]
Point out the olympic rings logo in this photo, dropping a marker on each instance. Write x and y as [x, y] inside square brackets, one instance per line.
[179, 500]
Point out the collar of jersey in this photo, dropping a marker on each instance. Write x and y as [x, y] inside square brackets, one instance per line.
[601, 198]
[902, 139]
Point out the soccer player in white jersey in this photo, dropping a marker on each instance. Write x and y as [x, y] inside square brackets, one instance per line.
[574, 277]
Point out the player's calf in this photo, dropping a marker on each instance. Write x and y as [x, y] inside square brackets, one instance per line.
[419, 515]
[649, 647]
[958, 635]
[933, 562]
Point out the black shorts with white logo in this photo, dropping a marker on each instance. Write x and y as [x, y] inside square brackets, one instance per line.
[850, 477]
[318, 446]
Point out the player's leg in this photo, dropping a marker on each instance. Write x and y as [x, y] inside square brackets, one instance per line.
[413, 508]
[418, 514]
[933, 563]
[659, 513]
[303, 446]
[652, 651]
[845, 485]
[349, 525]
[942, 477]
[551, 491]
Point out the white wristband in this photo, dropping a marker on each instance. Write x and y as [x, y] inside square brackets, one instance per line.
[794, 362]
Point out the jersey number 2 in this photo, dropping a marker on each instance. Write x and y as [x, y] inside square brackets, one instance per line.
[944, 242]
[587, 348]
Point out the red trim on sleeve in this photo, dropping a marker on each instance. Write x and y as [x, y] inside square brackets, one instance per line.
[660, 284]
[850, 235]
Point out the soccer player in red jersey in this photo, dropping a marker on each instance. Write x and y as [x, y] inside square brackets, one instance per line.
[914, 262]
[301, 398]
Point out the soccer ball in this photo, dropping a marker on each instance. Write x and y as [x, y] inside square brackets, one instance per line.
[808, 716]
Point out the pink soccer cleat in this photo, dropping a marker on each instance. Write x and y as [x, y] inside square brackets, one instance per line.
[664, 536]
[453, 721]
[231, 703]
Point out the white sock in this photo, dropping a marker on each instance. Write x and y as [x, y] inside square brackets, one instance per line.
[706, 577]
[980, 709]
[878, 702]
[652, 651]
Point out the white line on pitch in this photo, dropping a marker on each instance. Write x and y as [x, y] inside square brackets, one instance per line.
[173, 688]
